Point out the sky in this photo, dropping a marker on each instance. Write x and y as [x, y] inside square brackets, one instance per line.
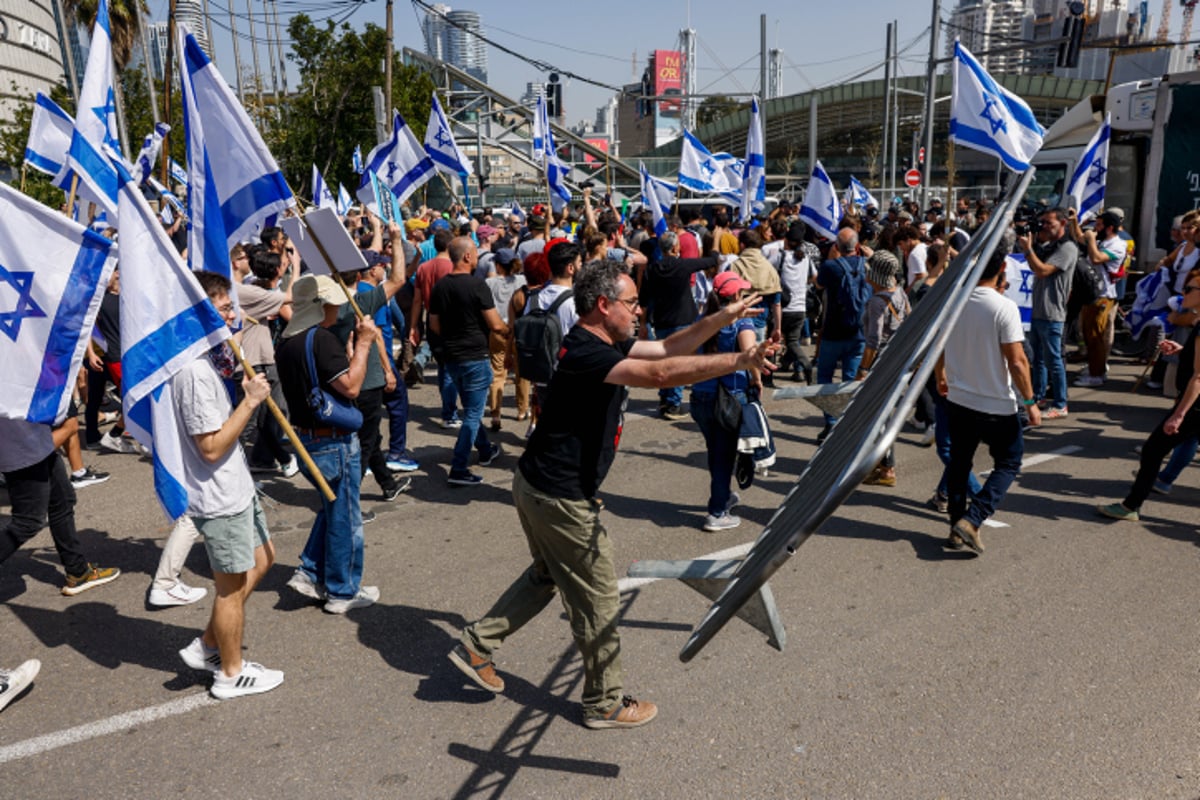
[823, 43]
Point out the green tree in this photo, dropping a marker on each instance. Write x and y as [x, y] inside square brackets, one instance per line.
[139, 117]
[714, 108]
[122, 22]
[332, 110]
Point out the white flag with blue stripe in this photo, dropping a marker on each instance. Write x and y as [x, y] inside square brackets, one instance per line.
[144, 166]
[343, 201]
[50, 131]
[541, 127]
[165, 195]
[857, 195]
[356, 160]
[701, 171]
[400, 161]
[754, 172]
[440, 144]
[658, 196]
[176, 170]
[1091, 174]
[322, 195]
[820, 208]
[53, 274]
[556, 172]
[987, 117]
[96, 121]
[167, 321]
[234, 184]
[517, 212]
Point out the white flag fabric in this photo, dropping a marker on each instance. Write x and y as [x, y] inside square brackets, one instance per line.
[96, 125]
[987, 117]
[165, 195]
[234, 184]
[144, 166]
[556, 172]
[820, 208]
[658, 196]
[53, 274]
[177, 172]
[167, 321]
[344, 201]
[401, 162]
[517, 212]
[1091, 174]
[440, 144]
[857, 194]
[356, 160]
[50, 132]
[701, 171]
[754, 173]
[322, 195]
[167, 217]
[541, 127]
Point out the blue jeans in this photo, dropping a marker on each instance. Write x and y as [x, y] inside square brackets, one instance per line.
[333, 555]
[672, 395]
[471, 380]
[721, 446]
[941, 438]
[1045, 339]
[1002, 434]
[396, 403]
[448, 392]
[1182, 456]
[848, 353]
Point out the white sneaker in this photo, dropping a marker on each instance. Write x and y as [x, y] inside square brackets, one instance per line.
[253, 679]
[291, 468]
[198, 655]
[12, 683]
[118, 444]
[301, 583]
[178, 595]
[928, 436]
[367, 595]
[721, 522]
[1089, 380]
[450, 423]
[734, 499]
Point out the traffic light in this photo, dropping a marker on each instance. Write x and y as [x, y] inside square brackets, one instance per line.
[554, 97]
[1073, 28]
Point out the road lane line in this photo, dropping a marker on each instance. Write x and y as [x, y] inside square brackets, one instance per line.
[92, 730]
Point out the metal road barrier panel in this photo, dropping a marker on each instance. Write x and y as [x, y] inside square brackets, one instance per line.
[868, 428]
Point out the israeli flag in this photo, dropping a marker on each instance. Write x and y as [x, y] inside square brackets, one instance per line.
[517, 212]
[165, 194]
[356, 160]
[857, 195]
[820, 208]
[166, 216]
[234, 184]
[167, 321]
[541, 127]
[322, 195]
[178, 173]
[53, 274]
[1091, 174]
[50, 131]
[701, 171]
[385, 201]
[144, 166]
[96, 126]
[401, 162]
[556, 172]
[987, 117]
[658, 196]
[440, 144]
[343, 201]
[754, 172]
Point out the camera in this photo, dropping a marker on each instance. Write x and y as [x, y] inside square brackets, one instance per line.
[1027, 224]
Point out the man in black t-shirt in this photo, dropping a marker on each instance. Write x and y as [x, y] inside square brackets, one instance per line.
[331, 565]
[562, 468]
[462, 313]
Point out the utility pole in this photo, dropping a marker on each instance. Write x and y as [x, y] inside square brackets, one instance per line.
[168, 78]
[887, 104]
[237, 55]
[935, 26]
[258, 79]
[387, 67]
[762, 80]
[279, 48]
[141, 24]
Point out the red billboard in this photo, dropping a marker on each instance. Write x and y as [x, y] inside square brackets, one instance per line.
[668, 80]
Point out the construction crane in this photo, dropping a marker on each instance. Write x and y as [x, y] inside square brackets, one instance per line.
[1164, 23]
[1189, 10]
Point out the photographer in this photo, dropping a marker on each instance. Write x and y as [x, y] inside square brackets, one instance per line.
[1104, 250]
[1052, 260]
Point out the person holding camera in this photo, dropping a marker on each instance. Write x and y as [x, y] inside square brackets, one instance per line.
[1104, 250]
[1052, 260]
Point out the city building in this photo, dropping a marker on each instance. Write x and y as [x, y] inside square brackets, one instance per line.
[190, 13]
[157, 35]
[453, 36]
[31, 53]
[981, 25]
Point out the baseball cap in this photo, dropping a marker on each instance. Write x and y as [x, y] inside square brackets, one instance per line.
[728, 284]
[506, 255]
[415, 224]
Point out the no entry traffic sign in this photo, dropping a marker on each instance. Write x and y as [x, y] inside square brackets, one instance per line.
[912, 178]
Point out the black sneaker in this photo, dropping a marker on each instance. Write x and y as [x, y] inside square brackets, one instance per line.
[367, 516]
[465, 478]
[398, 488]
[824, 434]
[90, 477]
[673, 413]
[495, 453]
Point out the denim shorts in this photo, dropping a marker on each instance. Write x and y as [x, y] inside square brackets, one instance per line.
[231, 541]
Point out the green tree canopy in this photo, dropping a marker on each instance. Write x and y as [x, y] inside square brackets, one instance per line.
[713, 108]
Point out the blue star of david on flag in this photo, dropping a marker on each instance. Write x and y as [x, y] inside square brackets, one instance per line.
[104, 112]
[443, 138]
[392, 166]
[1097, 172]
[440, 145]
[991, 113]
[708, 167]
[10, 321]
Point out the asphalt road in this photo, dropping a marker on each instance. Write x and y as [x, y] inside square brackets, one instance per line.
[1061, 664]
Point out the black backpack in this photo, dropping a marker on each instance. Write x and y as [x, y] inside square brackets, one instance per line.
[538, 335]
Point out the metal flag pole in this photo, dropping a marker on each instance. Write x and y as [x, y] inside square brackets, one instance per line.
[293, 437]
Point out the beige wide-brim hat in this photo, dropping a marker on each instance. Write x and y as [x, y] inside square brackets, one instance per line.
[310, 295]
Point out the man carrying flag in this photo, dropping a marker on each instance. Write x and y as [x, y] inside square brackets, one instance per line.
[42, 343]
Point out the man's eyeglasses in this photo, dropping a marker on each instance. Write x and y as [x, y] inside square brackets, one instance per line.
[631, 303]
[1190, 289]
[225, 309]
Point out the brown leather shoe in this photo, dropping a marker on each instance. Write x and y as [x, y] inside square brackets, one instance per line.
[970, 535]
[477, 668]
[629, 713]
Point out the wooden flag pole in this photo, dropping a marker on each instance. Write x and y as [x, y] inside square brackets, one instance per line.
[293, 437]
[23, 169]
[71, 195]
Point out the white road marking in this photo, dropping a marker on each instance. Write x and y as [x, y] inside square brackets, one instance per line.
[92, 730]
[1042, 458]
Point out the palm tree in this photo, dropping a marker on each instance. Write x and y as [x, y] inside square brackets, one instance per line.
[123, 19]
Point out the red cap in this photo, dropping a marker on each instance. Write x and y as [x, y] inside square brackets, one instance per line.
[553, 243]
[728, 284]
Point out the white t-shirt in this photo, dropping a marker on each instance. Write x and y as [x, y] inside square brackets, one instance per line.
[202, 405]
[546, 297]
[25, 443]
[1184, 263]
[1114, 248]
[976, 371]
[916, 262]
[773, 252]
[796, 274]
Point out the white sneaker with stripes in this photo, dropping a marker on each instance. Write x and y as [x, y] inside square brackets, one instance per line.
[253, 679]
[199, 656]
